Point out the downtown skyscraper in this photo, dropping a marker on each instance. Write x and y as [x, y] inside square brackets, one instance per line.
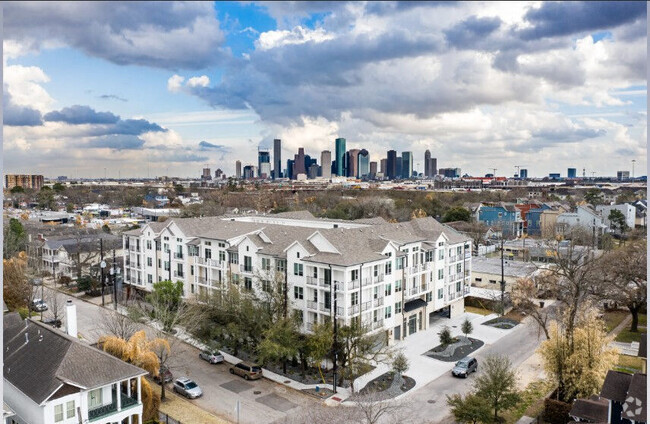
[340, 160]
[277, 158]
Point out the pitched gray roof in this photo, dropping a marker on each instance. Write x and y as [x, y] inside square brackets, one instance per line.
[615, 385]
[594, 409]
[48, 358]
[635, 406]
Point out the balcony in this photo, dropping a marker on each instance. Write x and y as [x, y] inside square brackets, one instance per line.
[468, 255]
[178, 255]
[51, 258]
[352, 285]
[353, 310]
[366, 281]
[453, 258]
[339, 311]
[179, 274]
[312, 305]
[377, 324]
[246, 269]
[310, 326]
[378, 302]
[312, 281]
[128, 401]
[324, 283]
[466, 290]
[102, 411]
[324, 308]
[366, 305]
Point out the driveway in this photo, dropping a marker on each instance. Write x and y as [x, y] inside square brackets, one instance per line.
[221, 390]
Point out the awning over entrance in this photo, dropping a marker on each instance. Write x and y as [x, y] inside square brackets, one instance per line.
[414, 304]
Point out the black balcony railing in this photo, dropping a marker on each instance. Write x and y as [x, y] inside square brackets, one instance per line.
[102, 411]
[128, 401]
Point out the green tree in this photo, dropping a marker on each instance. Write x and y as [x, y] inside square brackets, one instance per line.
[319, 343]
[470, 409]
[17, 189]
[467, 327]
[106, 228]
[497, 384]
[593, 196]
[456, 214]
[617, 220]
[280, 343]
[45, 199]
[15, 238]
[166, 301]
[400, 364]
[445, 336]
[58, 187]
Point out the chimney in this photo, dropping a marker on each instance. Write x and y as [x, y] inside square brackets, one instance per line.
[71, 319]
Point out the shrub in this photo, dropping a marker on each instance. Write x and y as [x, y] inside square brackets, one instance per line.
[445, 336]
[555, 411]
[23, 312]
[65, 280]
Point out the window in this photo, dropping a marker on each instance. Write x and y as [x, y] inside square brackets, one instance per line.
[440, 293]
[375, 292]
[149, 278]
[159, 263]
[429, 296]
[354, 275]
[374, 315]
[58, 413]
[179, 240]
[70, 410]
[248, 264]
[389, 268]
[166, 238]
[458, 286]
[280, 265]
[208, 253]
[234, 258]
[208, 243]
[459, 267]
[94, 398]
[297, 292]
[399, 263]
[441, 243]
[166, 266]
[387, 290]
[248, 283]
[222, 256]
[158, 245]
[398, 307]
[428, 256]
[478, 280]
[355, 298]
[315, 272]
[441, 254]
[266, 264]
[441, 274]
[222, 244]
[387, 312]
[266, 286]
[315, 296]
[148, 244]
[298, 255]
[166, 247]
[398, 286]
[459, 250]
[297, 269]
[191, 269]
[493, 281]
[375, 270]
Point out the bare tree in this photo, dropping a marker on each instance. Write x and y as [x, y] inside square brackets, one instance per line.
[55, 305]
[374, 408]
[523, 294]
[117, 324]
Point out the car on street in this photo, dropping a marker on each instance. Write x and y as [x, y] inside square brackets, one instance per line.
[465, 367]
[39, 305]
[246, 370]
[213, 357]
[37, 281]
[187, 388]
[164, 375]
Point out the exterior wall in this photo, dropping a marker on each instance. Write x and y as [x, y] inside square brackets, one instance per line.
[487, 278]
[547, 223]
[27, 411]
[495, 216]
[457, 308]
[626, 209]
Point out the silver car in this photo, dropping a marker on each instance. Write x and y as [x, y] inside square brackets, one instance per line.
[213, 357]
[39, 305]
[464, 367]
[187, 388]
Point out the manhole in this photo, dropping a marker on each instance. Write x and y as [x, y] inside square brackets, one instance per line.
[431, 401]
[454, 326]
[257, 392]
[287, 381]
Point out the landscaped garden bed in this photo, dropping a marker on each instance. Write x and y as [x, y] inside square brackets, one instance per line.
[455, 351]
[322, 393]
[502, 323]
[384, 387]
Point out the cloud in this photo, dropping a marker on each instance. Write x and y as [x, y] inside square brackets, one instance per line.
[553, 19]
[78, 114]
[204, 145]
[115, 142]
[15, 115]
[202, 81]
[170, 35]
[471, 31]
[112, 97]
[175, 83]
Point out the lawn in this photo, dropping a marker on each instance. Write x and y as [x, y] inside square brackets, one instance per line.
[626, 336]
[480, 311]
[614, 318]
[629, 364]
[532, 402]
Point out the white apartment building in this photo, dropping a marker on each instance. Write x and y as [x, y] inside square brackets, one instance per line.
[394, 277]
[51, 377]
[628, 211]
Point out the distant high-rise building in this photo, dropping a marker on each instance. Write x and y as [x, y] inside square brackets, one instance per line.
[391, 165]
[373, 170]
[263, 156]
[250, 172]
[309, 161]
[341, 165]
[571, 173]
[265, 170]
[23, 180]
[407, 164]
[523, 173]
[363, 167]
[238, 169]
[622, 175]
[353, 162]
[449, 172]
[289, 174]
[433, 167]
[398, 170]
[277, 158]
[299, 163]
[382, 166]
[326, 164]
[427, 164]
[312, 171]
[218, 173]
[207, 174]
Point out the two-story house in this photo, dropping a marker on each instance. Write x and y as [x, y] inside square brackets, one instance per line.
[505, 217]
[51, 377]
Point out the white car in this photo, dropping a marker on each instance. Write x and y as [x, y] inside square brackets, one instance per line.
[39, 305]
[212, 357]
[187, 388]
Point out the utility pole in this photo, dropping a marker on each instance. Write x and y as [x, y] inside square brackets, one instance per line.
[101, 255]
[633, 160]
[114, 274]
[335, 347]
[169, 251]
[503, 280]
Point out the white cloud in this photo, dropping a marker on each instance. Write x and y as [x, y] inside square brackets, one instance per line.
[175, 83]
[24, 85]
[298, 35]
[202, 81]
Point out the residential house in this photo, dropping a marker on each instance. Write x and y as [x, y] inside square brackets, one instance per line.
[628, 211]
[584, 217]
[486, 272]
[51, 377]
[505, 216]
[394, 277]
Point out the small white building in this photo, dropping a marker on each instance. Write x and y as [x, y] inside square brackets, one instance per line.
[584, 217]
[628, 211]
[51, 377]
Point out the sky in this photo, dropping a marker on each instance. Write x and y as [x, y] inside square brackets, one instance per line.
[138, 89]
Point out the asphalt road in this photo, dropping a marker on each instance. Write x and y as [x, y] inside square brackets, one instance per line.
[221, 390]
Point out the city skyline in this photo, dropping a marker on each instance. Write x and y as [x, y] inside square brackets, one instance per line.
[92, 86]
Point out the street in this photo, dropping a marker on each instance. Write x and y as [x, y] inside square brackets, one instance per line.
[221, 390]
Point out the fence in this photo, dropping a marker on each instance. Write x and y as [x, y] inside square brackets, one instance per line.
[166, 419]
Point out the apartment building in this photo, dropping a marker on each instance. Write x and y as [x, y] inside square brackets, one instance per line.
[24, 180]
[394, 277]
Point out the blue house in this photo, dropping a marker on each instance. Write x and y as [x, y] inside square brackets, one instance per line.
[506, 217]
[533, 217]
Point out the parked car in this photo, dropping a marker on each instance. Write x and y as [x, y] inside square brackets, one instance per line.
[164, 375]
[39, 305]
[187, 388]
[464, 367]
[53, 322]
[213, 357]
[246, 370]
[37, 281]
